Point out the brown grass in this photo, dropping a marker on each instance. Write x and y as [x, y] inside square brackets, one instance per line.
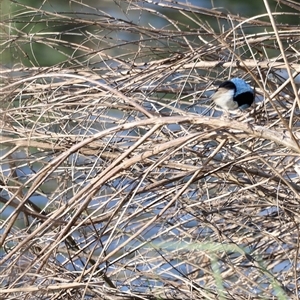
[115, 186]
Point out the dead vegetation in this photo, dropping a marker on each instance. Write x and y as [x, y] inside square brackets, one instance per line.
[119, 181]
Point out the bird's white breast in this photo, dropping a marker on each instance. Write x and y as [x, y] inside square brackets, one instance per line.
[224, 99]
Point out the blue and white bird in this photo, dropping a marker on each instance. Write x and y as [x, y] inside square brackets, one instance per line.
[233, 94]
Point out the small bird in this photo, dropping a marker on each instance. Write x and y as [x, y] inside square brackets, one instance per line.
[233, 94]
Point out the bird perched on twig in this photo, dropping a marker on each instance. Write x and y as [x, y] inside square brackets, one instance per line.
[233, 94]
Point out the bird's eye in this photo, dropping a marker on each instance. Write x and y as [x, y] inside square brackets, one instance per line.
[228, 85]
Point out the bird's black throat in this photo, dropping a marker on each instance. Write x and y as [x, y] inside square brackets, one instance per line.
[244, 98]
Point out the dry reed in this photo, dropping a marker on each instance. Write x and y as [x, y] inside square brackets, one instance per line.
[118, 179]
